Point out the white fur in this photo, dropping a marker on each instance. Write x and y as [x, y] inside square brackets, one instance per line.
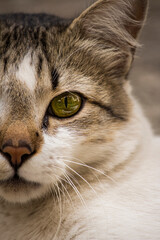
[26, 72]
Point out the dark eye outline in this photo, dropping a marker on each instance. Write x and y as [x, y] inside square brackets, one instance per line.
[51, 113]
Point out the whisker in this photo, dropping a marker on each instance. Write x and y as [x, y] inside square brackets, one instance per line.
[92, 168]
[76, 190]
[82, 178]
[60, 212]
[61, 180]
[65, 189]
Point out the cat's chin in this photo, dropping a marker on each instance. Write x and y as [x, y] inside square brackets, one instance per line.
[21, 191]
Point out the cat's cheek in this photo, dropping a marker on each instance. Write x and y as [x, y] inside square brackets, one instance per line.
[48, 166]
[120, 146]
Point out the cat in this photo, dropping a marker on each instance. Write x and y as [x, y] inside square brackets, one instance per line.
[78, 158]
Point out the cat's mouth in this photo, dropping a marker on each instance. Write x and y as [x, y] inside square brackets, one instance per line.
[17, 189]
[17, 182]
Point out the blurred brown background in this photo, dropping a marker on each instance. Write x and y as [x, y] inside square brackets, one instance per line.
[145, 74]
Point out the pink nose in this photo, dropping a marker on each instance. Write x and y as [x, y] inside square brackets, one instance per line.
[17, 154]
[19, 142]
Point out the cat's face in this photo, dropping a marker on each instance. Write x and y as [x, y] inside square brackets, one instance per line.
[64, 97]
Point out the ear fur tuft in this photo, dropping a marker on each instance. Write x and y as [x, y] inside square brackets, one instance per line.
[117, 21]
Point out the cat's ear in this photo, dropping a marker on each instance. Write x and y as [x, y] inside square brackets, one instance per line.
[118, 21]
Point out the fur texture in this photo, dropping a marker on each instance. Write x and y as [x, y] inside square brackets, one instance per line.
[94, 175]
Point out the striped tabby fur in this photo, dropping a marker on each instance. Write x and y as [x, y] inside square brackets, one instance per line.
[91, 176]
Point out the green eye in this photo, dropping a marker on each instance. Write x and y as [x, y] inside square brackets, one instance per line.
[66, 105]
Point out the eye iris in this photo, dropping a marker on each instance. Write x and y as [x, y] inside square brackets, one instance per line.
[66, 105]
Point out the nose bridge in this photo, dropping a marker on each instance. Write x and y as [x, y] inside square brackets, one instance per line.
[18, 97]
[16, 134]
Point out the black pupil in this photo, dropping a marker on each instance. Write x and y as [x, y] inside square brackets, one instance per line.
[66, 102]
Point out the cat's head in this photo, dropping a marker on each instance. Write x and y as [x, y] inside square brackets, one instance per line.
[64, 96]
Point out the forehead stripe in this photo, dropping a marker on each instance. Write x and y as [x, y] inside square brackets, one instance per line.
[5, 61]
[40, 59]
